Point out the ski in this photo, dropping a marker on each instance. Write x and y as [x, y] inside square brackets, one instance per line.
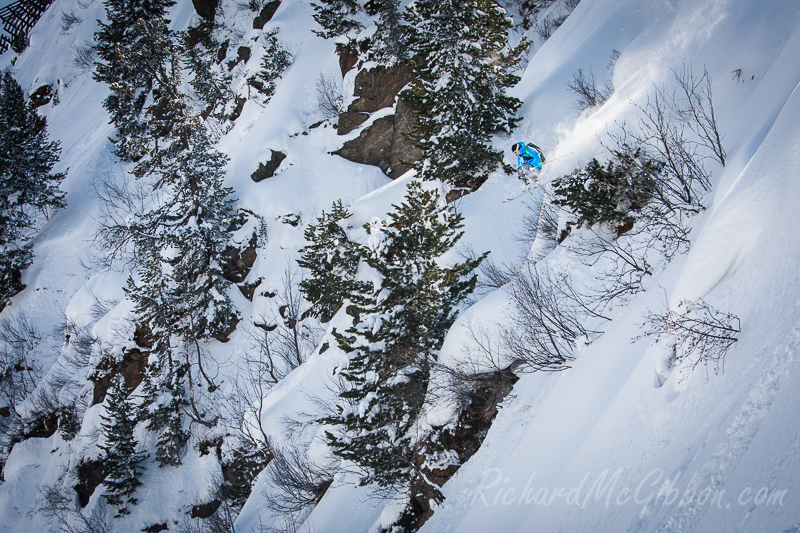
[527, 190]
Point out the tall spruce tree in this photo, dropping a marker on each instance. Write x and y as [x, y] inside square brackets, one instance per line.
[331, 261]
[121, 461]
[387, 44]
[400, 329]
[210, 82]
[459, 99]
[28, 185]
[337, 17]
[127, 45]
[164, 391]
[180, 293]
[181, 240]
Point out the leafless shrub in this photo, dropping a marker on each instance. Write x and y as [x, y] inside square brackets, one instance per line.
[699, 333]
[19, 369]
[545, 27]
[296, 337]
[122, 203]
[83, 57]
[664, 145]
[696, 109]
[547, 322]
[243, 406]
[589, 94]
[300, 481]
[493, 276]
[69, 19]
[59, 508]
[329, 97]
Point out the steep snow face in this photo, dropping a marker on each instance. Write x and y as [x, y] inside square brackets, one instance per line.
[619, 442]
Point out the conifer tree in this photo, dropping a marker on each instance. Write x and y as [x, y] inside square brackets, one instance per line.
[121, 461]
[331, 261]
[387, 44]
[459, 100]
[337, 17]
[276, 59]
[210, 83]
[28, 185]
[127, 46]
[164, 391]
[181, 240]
[399, 332]
[180, 293]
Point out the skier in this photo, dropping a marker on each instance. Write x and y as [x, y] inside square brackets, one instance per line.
[530, 159]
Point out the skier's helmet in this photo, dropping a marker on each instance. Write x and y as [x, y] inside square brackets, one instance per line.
[516, 148]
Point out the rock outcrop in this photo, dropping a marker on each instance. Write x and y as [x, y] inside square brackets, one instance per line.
[384, 143]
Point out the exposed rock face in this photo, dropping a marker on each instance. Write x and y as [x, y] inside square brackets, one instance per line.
[236, 262]
[384, 143]
[378, 87]
[206, 8]
[266, 14]
[348, 121]
[132, 367]
[42, 96]
[267, 170]
[348, 57]
[90, 475]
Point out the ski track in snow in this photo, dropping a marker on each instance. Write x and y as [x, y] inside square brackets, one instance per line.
[712, 476]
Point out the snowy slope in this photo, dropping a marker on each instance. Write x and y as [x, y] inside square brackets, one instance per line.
[616, 443]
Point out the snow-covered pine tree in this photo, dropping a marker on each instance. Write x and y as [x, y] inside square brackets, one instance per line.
[331, 261]
[276, 59]
[164, 391]
[180, 293]
[387, 44]
[460, 100]
[399, 332]
[121, 462]
[210, 82]
[129, 77]
[337, 17]
[181, 290]
[28, 185]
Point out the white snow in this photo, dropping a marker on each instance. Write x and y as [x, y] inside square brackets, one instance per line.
[620, 441]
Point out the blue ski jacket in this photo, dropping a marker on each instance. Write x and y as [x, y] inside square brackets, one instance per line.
[527, 155]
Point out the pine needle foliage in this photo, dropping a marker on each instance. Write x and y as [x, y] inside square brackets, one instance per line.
[28, 185]
[397, 335]
[130, 81]
[331, 261]
[121, 461]
[460, 100]
[610, 193]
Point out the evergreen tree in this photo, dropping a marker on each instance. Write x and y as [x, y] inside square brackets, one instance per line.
[121, 462]
[337, 17]
[460, 99]
[181, 240]
[399, 332]
[612, 193]
[276, 59]
[127, 46]
[331, 260]
[387, 44]
[164, 391]
[210, 83]
[28, 185]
